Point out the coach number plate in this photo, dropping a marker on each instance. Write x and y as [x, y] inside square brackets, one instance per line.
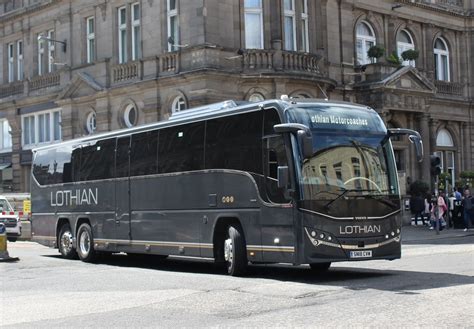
[361, 254]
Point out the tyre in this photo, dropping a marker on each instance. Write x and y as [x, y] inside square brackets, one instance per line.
[235, 253]
[65, 242]
[12, 239]
[85, 244]
[320, 267]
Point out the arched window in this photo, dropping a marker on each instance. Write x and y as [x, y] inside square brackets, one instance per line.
[365, 38]
[445, 145]
[130, 115]
[404, 43]
[256, 97]
[179, 104]
[91, 123]
[441, 58]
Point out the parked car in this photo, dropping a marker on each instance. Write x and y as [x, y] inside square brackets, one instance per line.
[10, 218]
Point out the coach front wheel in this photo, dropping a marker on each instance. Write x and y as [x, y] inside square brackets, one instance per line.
[235, 254]
[85, 243]
[65, 242]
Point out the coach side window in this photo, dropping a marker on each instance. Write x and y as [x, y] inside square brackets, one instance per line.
[97, 160]
[144, 154]
[181, 148]
[234, 142]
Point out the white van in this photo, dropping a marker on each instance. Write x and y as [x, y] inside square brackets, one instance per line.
[10, 218]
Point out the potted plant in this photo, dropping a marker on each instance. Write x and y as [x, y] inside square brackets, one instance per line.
[410, 55]
[375, 52]
[394, 59]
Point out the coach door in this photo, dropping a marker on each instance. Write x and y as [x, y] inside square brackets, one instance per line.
[122, 190]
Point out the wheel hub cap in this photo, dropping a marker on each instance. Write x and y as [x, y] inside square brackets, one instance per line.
[84, 243]
[228, 250]
[66, 241]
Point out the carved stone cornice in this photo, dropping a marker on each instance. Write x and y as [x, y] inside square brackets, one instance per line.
[16, 14]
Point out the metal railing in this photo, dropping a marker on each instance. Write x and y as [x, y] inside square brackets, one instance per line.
[449, 88]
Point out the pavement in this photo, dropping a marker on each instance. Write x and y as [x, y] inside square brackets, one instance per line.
[422, 234]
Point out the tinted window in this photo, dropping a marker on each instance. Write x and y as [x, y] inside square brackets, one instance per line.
[42, 165]
[97, 160]
[235, 142]
[181, 148]
[53, 166]
[143, 156]
[274, 156]
[122, 164]
[271, 119]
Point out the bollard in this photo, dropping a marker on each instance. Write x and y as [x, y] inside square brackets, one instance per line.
[4, 256]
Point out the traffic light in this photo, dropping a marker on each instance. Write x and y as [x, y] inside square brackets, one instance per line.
[435, 162]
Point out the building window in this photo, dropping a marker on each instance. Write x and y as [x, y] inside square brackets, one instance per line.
[130, 116]
[173, 25]
[19, 58]
[91, 123]
[40, 56]
[51, 51]
[136, 40]
[122, 34]
[179, 104]
[5, 136]
[253, 24]
[404, 43]
[90, 33]
[11, 62]
[444, 141]
[289, 24]
[441, 59]
[304, 27]
[42, 127]
[256, 97]
[365, 38]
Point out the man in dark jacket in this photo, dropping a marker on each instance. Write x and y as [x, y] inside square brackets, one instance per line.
[417, 206]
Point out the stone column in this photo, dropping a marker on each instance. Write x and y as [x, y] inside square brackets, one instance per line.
[424, 167]
[466, 148]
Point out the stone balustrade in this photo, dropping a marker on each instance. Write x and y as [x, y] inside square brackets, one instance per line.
[449, 88]
[168, 63]
[127, 71]
[44, 81]
[295, 61]
[11, 89]
[258, 59]
[274, 60]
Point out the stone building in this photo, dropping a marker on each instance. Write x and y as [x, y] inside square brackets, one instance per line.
[71, 68]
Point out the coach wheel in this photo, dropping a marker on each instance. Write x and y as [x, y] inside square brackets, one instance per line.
[234, 252]
[65, 244]
[12, 239]
[320, 267]
[85, 243]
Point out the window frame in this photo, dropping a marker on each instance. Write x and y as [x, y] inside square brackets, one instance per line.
[290, 13]
[11, 62]
[122, 37]
[19, 59]
[364, 40]
[170, 15]
[403, 46]
[33, 140]
[90, 40]
[126, 116]
[41, 47]
[6, 144]
[305, 26]
[254, 11]
[91, 122]
[136, 25]
[51, 51]
[439, 54]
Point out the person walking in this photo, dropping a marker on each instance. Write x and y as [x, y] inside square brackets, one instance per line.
[417, 207]
[441, 208]
[468, 209]
[428, 207]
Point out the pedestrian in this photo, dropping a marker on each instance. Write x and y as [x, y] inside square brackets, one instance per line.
[417, 206]
[457, 195]
[428, 206]
[468, 209]
[438, 211]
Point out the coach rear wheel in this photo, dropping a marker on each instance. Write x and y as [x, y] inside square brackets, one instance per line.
[320, 267]
[65, 244]
[235, 254]
[85, 243]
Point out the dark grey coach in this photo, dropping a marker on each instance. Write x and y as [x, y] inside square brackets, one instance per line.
[280, 181]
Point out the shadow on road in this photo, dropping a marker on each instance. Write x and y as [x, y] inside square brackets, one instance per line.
[402, 282]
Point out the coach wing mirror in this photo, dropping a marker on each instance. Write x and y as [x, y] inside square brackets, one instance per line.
[303, 133]
[283, 177]
[413, 136]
